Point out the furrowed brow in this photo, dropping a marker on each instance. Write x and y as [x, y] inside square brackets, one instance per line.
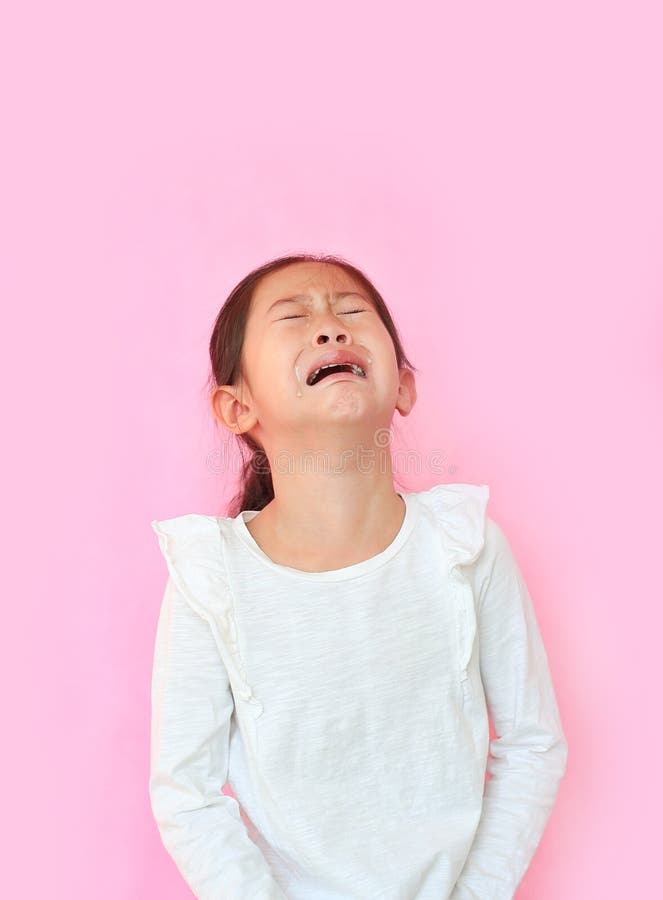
[298, 298]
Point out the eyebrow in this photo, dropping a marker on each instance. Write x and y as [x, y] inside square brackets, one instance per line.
[299, 297]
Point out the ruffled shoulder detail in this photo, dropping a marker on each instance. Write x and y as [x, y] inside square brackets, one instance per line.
[460, 513]
[192, 546]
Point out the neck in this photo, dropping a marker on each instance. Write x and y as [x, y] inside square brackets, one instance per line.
[329, 510]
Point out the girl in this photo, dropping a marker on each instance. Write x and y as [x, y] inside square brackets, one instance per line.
[331, 648]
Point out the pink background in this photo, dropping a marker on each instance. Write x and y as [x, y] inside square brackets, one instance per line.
[496, 168]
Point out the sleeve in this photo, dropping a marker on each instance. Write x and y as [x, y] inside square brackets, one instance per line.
[528, 758]
[200, 827]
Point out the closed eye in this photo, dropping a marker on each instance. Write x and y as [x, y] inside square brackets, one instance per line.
[347, 313]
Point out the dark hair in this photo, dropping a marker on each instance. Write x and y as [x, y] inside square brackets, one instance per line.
[225, 349]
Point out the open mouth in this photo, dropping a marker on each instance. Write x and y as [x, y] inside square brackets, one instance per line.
[323, 371]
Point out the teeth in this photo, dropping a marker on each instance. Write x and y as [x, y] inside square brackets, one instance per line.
[355, 368]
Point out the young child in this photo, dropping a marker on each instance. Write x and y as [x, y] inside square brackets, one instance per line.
[331, 649]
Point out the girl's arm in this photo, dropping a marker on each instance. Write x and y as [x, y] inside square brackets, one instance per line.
[200, 827]
[528, 758]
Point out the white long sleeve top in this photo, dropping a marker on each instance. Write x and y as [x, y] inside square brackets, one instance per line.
[348, 712]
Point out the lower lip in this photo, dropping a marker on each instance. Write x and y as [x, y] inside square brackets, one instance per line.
[339, 376]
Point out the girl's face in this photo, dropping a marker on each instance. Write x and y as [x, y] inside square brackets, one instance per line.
[302, 317]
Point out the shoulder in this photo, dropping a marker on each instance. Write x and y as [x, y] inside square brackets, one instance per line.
[186, 527]
[458, 511]
[474, 538]
[193, 548]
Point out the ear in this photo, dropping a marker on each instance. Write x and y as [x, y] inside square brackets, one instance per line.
[407, 392]
[228, 409]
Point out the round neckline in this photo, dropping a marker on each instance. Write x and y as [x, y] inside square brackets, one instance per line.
[353, 571]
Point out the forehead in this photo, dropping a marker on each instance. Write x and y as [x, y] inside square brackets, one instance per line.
[303, 278]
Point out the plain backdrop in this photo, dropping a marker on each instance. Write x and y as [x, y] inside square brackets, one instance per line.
[496, 169]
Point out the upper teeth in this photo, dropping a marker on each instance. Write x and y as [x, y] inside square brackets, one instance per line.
[355, 368]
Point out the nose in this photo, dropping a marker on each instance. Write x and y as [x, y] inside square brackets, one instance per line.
[332, 330]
